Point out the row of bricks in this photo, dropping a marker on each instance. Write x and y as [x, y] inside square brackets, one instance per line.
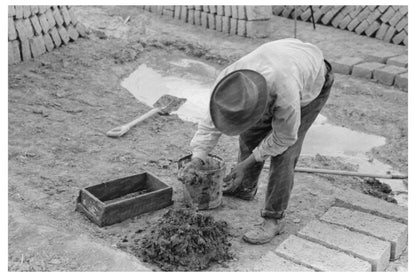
[37, 45]
[40, 24]
[237, 12]
[346, 240]
[392, 73]
[388, 23]
[360, 233]
[225, 24]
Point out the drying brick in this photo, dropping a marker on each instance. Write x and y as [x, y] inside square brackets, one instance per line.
[353, 24]
[401, 81]
[370, 249]
[58, 17]
[177, 13]
[402, 23]
[43, 9]
[396, 18]
[380, 56]
[401, 61]
[191, 17]
[63, 34]
[169, 13]
[234, 12]
[211, 21]
[242, 27]
[14, 52]
[82, 30]
[26, 11]
[74, 19]
[387, 74]
[319, 257]
[277, 10]
[373, 16]
[382, 31]
[198, 8]
[226, 24]
[11, 11]
[306, 15]
[37, 46]
[258, 12]
[382, 8]
[50, 18]
[362, 27]
[387, 15]
[34, 9]
[25, 50]
[28, 28]
[213, 9]
[204, 19]
[391, 31]
[352, 199]
[72, 33]
[197, 17]
[288, 10]
[205, 8]
[344, 23]
[344, 65]
[272, 263]
[36, 25]
[258, 29]
[372, 29]
[55, 37]
[399, 37]
[218, 23]
[184, 14]
[11, 29]
[220, 10]
[20, 29]
[385, 229]
[228, 11]
[365, 70]
[18, 12]
[66, 16]
[233, 26]
[48, 42]
[44, 23]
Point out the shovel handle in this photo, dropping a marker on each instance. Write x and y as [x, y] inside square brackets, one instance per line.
[121, 130]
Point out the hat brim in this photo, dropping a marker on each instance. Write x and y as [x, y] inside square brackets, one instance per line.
[232, 127]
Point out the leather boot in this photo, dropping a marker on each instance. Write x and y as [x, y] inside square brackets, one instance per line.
[265, 232]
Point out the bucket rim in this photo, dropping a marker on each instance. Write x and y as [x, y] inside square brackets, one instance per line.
[189, 156]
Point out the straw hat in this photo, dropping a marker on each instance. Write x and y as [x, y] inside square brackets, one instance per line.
[238, 101]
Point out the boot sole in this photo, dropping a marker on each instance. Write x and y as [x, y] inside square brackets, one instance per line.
[246, 239]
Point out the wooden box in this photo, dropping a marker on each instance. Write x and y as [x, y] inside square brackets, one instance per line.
[120, 199]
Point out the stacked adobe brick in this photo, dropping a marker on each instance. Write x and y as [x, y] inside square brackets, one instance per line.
[388, 23]
[245, 21]
[35, 30]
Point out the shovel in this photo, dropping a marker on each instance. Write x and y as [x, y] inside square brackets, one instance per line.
[163, 106]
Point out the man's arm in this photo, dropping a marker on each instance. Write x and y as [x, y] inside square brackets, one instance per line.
[205, 138]
[286, 122]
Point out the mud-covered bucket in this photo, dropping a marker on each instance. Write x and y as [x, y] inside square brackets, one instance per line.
[206, 191]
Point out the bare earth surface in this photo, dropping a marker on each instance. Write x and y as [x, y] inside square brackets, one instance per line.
[61, 105]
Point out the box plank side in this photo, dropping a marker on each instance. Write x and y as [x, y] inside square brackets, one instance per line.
[92, 207]
[119, 211]
[154, 183]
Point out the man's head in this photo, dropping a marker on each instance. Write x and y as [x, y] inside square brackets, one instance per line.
[238, 101]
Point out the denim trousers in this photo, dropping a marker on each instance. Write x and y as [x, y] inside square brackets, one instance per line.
[281, 173]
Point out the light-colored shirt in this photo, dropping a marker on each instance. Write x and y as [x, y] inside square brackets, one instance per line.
[295, 74]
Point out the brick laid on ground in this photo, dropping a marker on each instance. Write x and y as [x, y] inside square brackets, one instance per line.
[58, 17]
[82, 30]
[401, 61]
[204, 19]
[63, 34]
[66, 16]
[228, 11]
[26, 11]
[197, 17]
[48, 42]
[380, 57]
[211, 21]
[72, 32]
[242, 12]
[226, 24]
[50, 18]
[319, 257]
[191, 17]
[402, 81]
[11, 11]
[372, 29]
[241, 27]
[274, 263]
[344, 65]
[14, 52]
[218, 23]
[36, 25]
[18, 11]
[20, 29]
[184, 14]
[234, 12]
[12, 29]
[37, 46]
[352, 199]
[386, 75]
[373, 250]
[366, 70]
[25, 50]
[44, 23]
[55, 37]
[233, 26]
[385, 229]
[258, 28]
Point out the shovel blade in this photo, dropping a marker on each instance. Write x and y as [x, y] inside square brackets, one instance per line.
[169, 103]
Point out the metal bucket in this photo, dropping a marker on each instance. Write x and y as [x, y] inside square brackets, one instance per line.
[206, 192]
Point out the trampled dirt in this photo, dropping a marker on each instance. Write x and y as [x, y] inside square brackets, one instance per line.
[61, 105]
[184, 240]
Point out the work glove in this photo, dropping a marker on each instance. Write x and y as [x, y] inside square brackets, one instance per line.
[187, 174]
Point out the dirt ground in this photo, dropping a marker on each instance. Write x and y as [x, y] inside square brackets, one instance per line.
[61, 105]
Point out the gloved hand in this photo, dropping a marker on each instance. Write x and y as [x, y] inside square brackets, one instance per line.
[188, 173]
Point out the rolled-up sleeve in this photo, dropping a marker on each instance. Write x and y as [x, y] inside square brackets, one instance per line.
[205, 138]
[285, 124]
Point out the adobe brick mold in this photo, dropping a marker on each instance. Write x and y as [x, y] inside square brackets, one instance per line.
[35, 30]
[388, 23]
[245, 21]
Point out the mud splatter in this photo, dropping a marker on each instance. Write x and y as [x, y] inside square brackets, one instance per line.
[185, 240]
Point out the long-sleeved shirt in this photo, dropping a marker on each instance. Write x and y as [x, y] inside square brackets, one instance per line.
[295, 74]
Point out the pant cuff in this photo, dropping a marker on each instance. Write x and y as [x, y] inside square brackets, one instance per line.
[273, 214]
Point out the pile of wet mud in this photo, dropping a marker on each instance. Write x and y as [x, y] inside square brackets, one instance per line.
[185, 240]
[378, 189]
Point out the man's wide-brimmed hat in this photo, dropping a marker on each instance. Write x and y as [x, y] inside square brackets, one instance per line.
[238, 101]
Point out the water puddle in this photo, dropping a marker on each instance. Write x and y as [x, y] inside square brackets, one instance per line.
[193, 80]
